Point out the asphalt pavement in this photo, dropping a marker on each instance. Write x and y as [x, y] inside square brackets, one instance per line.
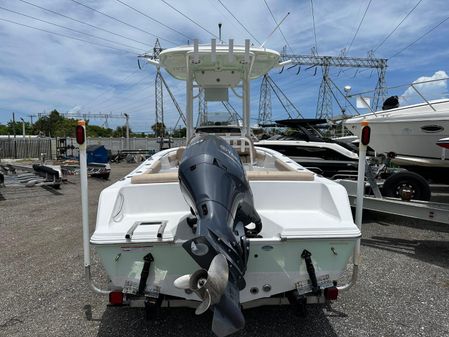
[403, 289]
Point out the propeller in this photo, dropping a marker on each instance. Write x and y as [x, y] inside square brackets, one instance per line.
[209, 285]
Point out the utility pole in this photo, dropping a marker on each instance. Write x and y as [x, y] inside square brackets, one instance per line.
[127, 130]
[14, 132]
[23, 127]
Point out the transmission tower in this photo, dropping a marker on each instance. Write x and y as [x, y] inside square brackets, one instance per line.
[267, 86]
[202, 108]
[159, 105]
[380, 92]
[324, 103]
[159, 86]
[156, 50]
[324, 108]
[234, 117]
[265, 102]
[158, 94]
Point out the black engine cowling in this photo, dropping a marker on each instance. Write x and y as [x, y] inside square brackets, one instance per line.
[213, 181]
[214, 184]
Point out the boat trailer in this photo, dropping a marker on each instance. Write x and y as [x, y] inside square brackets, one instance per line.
[417, 209]
[402, 204]
[35, 175]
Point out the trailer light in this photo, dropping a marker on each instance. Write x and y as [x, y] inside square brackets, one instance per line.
[81, 132]
[116, 298]
[331, 293]
[366, 133]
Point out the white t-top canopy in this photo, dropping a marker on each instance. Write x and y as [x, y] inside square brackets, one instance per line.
[227, 60]
[216, 68]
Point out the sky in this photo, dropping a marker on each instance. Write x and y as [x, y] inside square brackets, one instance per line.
[85, 59]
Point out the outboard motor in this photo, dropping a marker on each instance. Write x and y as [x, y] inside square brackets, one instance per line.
[213, 182]
[391, 102]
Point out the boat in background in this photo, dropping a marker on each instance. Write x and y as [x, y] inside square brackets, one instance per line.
[307, 146]
[408, 135]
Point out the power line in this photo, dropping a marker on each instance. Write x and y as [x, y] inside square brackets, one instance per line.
[73, 30]
[241, 24]
[123, 79]
[314, 29]
[280, 30]
[196, 23]
[129, 88]
[66, 36]
[395, 28]
[419, 38]
[153, 19]
[133, 107]
[129, 106]
[360, 24]
[82, 22]
[122, 22]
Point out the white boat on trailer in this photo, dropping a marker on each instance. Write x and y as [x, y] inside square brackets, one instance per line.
[409, 134]
[221, 223]
[408, 131]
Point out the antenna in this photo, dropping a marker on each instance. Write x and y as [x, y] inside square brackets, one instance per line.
[219, 32]
[275, 28]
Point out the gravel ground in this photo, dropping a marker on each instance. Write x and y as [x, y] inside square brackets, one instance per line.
[403, 288]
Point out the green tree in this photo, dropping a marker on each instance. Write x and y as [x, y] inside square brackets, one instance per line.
[179, 133]
[52, 125]
[3, 129]
[159, 129]
[56, 125]
[9, 128]
[98, 131]
[120, 131]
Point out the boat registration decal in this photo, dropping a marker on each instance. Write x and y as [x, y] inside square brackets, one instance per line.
[130, 287]
[305, 286]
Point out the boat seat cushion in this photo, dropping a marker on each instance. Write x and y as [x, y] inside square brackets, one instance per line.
[156, 167]
[282, 166]
[175, 157]
[155, 178]
[172, 177]
[280, 175]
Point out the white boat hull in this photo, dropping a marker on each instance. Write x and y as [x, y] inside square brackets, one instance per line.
[312, 215]
[408, 131]
[277, 264]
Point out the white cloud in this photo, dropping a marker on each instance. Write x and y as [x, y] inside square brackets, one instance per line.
[39, 71]
[430, 90]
